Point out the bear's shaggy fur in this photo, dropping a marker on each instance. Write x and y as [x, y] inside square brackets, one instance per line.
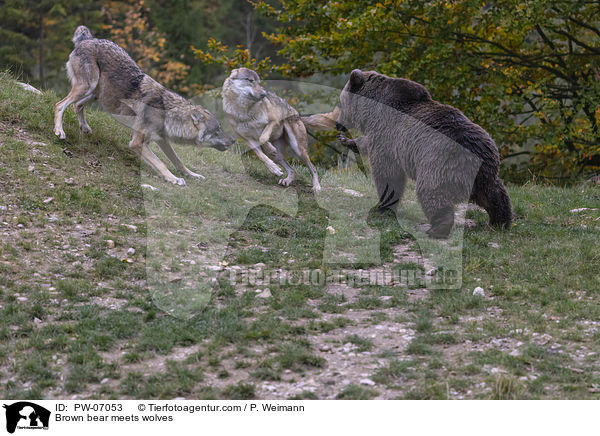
[407, 133]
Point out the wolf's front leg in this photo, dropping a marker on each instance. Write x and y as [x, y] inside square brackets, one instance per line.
[139, 144]
[265, 136]
[271, 166]
[170, 153]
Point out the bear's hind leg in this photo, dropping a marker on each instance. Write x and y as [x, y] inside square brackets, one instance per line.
[496, 202]
[438, 210]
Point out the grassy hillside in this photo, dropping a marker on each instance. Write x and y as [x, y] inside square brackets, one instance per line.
[83, 316]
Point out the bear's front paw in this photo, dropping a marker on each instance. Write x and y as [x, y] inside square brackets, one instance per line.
[347, 142]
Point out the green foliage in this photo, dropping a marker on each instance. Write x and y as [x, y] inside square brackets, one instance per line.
[526, 71]
[129, 27]
[35, 36]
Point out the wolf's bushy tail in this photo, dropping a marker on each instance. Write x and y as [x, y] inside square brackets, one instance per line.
[81, 34]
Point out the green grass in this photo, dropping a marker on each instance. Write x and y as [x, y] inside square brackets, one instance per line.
[78, 318]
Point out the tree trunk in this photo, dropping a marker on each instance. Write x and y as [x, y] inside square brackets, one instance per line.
[249, 36]
[41, 51]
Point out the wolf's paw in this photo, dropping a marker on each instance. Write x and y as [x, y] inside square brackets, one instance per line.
[316, 187]
[275, 170]
[60, 133]
[178, 181]
[286, 182]
[85, 129]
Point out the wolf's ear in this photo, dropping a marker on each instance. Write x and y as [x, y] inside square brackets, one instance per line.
[196, 117]
[356, 79]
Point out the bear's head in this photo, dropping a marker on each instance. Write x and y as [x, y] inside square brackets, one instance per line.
[368, 93]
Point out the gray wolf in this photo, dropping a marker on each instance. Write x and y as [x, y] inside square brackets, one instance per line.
[100, 69]
[408, 134]
[266, 121]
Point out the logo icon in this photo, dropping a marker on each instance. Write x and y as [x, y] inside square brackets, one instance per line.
[26, 415]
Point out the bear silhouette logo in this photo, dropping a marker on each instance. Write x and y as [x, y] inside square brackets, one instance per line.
[26, 415]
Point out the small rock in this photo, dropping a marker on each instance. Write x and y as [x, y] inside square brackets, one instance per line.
[214, 267]
[478, 292]
[431, 272]
[367, 381]
[331, 230]
[583, 209]
[493, 244]
[69, 181]
[48, 200]
[31, 168]
[104, 381]
[28, 87]
[130, 226]
[110, 243]
[324, 348]
[3, 208]
[22, 298]
[150, 187]
[265, 294]
[130, 251]
[353, 193]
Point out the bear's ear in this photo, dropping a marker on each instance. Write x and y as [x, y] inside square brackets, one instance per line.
[356, 79]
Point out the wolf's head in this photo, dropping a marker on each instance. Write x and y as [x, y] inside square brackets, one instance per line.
[210, 132]
[81, 34]
[192, 124]
[245, 83]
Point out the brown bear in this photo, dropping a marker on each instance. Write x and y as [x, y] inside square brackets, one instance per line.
[407, 133]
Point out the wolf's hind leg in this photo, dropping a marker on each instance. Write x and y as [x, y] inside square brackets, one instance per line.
[84, 80]
[83, 125]
[296, 135]
[170, 153]
[78, 92]
[280, 159]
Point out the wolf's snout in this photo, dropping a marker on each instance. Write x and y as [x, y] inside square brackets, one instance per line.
[258, 96]
[224, 142]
